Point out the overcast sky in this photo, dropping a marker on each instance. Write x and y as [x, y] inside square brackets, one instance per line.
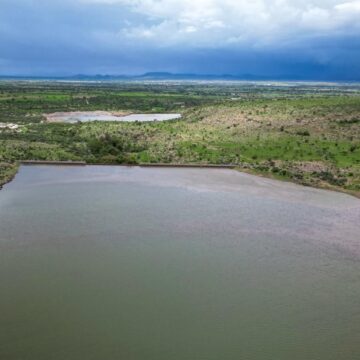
[317, 39]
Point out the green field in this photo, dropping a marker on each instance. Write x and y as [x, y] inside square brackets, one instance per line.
[307, 133]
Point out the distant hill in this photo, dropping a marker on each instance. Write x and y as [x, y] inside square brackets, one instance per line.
[171, 76]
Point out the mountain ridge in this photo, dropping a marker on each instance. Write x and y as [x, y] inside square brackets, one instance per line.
[163, 75]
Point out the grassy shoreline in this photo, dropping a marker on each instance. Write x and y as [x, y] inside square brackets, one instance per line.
[7, 173]
[6, 178]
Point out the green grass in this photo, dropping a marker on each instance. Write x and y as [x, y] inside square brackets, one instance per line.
[7, 172]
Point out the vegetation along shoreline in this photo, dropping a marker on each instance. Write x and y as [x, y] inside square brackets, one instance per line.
[154, 165]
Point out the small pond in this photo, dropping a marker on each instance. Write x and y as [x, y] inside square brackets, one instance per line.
[73, 117]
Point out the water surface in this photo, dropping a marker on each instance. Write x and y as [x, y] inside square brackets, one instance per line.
[176, 264]
[73, 117]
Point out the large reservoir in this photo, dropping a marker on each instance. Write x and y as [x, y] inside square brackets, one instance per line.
[101, 262]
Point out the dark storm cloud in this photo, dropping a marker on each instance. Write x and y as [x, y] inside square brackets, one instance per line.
[119, 36]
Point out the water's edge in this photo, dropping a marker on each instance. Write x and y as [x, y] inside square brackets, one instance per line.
[162, 165]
